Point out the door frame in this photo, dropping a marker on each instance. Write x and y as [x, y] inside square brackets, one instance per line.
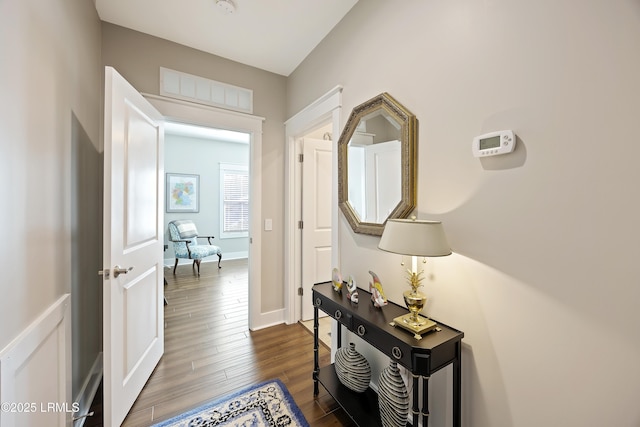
[201, 115]
[326, 109]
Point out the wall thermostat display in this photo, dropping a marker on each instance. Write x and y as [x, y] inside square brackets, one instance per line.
[494, 143]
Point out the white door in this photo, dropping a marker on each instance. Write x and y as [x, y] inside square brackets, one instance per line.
[383, 177]
[316, 218]
[133, 316]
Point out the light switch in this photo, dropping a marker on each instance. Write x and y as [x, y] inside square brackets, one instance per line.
[268, 224]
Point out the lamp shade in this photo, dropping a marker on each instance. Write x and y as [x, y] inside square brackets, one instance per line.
[414, 237]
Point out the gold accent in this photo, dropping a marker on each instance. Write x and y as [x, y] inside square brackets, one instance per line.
[408, 139]
[405, 323]
[415, 301]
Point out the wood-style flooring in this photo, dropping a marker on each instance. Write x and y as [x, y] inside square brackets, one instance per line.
[210, 352]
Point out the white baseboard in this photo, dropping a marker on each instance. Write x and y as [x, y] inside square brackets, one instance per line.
[227, 256]
[35, 371]
[265, 320]
[88, 392]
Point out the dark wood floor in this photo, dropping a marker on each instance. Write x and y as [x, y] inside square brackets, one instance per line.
[210, 352]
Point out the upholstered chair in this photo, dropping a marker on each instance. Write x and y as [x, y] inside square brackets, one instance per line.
[184, 236]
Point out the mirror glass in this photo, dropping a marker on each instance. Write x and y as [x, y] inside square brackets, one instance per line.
[376, 164]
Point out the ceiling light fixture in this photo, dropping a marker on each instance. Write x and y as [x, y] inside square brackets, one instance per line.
[226, 6]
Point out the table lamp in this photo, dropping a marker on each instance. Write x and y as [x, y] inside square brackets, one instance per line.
[415, 238]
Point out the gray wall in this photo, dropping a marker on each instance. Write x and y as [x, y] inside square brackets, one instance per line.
[49, 152]
[183, 154]
[544, 278]
[138, 57]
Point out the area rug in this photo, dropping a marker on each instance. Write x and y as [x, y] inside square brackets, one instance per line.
[266, 404]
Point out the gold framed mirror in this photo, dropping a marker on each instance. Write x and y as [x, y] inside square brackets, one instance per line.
[377, 164]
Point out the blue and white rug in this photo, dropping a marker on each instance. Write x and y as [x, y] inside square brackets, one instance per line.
[266, 404]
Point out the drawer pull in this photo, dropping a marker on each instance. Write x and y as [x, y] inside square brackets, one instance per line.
[396, 352]
[361, 330]
[338, 314]
[318, 302]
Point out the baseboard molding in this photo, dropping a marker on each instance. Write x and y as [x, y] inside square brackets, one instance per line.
[88, 392]
[265, 320]
[227, 256]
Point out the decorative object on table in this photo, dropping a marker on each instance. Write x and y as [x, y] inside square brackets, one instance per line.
[393, 397]
[183, 192]
[353, 370]
[416, 238]
[336, 278]
[265, 404]
[352, 289]
[377, 294]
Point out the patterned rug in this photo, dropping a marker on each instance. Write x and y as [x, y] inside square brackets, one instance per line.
[266, 404]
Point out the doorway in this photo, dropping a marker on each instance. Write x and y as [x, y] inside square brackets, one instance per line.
[324, 113]
[219, 160]
[183, 112]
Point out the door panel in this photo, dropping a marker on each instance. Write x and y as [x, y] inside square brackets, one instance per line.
[133, 315]
[316, 217]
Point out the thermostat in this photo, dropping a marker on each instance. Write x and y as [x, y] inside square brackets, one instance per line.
[494, 143]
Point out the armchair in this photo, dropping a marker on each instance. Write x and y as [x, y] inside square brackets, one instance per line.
[184, 236]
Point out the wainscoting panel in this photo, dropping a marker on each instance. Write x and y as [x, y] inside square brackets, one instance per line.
[35, 372]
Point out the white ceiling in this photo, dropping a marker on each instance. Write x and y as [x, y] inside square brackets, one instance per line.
[274, 35]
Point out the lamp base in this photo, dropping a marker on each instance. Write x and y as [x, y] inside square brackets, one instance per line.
[421, 326]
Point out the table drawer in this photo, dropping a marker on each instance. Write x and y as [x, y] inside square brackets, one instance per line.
[334, 310]
[392, 347]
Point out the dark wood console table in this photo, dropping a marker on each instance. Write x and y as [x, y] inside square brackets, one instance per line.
[436, 350]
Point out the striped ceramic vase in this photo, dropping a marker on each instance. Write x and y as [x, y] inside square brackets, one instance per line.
[352, 368]
[393, 397]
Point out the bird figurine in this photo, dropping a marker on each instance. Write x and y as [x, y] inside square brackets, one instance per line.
[377, 294]
[336, 278]
[352, 289]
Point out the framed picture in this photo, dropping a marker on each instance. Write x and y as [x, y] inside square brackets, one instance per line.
[183, 192]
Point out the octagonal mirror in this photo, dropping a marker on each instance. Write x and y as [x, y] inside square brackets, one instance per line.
[377, 164]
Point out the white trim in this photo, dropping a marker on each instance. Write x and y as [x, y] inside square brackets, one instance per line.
[268, 319]
[88, 391]
[188, 112]
[226, 256]
[24, 379]
[326, 108]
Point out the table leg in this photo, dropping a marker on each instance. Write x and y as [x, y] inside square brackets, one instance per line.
[316, 360]
[457, 387]
[416, 393]
[425, 401]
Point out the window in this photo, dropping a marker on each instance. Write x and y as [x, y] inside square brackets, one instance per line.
[234, 201]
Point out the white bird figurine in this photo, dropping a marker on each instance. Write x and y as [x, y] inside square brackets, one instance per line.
[377, 294]
[336, 278]
[352, 289]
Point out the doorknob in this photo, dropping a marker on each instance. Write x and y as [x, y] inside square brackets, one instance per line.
[117, 270]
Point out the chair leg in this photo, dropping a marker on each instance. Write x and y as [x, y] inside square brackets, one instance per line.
[196, 262]
[174, 267]
[219, 259]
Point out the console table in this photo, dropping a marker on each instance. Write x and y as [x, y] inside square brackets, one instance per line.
[436, 350]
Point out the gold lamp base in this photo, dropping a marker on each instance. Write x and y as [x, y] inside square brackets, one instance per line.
[418, 326]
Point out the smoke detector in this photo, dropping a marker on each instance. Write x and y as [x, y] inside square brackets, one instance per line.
[226, 6]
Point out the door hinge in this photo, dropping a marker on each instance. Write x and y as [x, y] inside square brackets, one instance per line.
[300, 225]
[300, 291]
[300, 158]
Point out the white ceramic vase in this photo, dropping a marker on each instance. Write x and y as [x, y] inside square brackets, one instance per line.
[353, 370]
[393, 397]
